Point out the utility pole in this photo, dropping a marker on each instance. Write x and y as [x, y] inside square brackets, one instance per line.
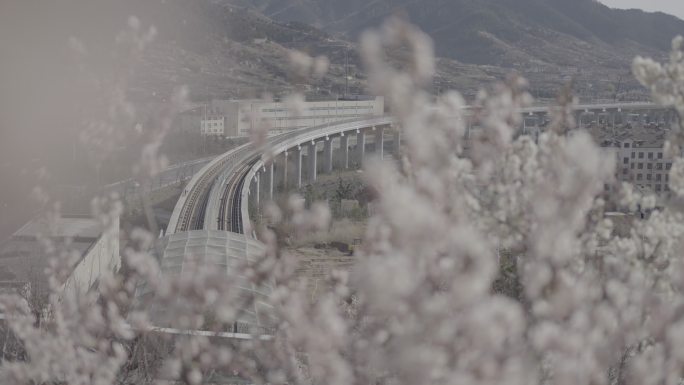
[203, 135]
[346, 73]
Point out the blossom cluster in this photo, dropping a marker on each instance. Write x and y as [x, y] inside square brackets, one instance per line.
[597, 306]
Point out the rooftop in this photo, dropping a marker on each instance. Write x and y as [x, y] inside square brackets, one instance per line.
[221, 251]
[641, 137]
[23, 257]
[63, 227]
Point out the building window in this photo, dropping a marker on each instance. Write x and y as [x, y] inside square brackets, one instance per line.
[659, 177]
[650, 155]
[658, 188]
[639, 176]
[659, 166]
[626, 145]
[649, 166]
[624, 171]
[669, 166]
[625, 161]
[641, 166]
[641, 155]
[631, 166]
[633, 154]
[649, 177]
[660, 155]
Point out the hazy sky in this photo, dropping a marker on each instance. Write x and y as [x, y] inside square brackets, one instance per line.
[674, 7]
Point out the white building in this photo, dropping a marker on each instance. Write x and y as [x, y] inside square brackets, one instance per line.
[242, 116]
[213, 125]
[23, 259]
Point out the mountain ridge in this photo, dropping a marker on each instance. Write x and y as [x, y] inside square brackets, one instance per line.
[462, 29]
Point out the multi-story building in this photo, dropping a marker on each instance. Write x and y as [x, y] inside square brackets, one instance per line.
[643, 163]
[213, 125]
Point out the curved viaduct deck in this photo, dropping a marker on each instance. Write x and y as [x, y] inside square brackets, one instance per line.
[213, 199]
[216, 197]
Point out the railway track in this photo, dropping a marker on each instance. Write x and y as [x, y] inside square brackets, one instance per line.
[193, 211]
[236, 222]
[190, 220]
[230, 218]
[198, 222]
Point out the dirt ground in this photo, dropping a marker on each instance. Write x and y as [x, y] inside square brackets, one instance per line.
[318, 258]
[316, 265]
